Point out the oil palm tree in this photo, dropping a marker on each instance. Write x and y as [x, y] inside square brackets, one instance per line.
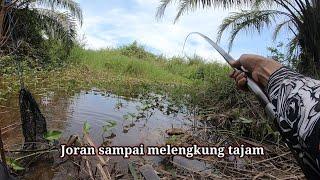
[33, 20]
[300, 17]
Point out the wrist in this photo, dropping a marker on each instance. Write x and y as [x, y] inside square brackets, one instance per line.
[267, 70]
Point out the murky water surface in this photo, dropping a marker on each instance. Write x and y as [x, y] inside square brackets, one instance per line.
[141, 120]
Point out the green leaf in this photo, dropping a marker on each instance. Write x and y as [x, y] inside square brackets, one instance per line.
[245, 121]
[105, 128]
[129, 116]
[109, 125]
[86, 127]
[133, 171]
[14, 165]
[52, 135]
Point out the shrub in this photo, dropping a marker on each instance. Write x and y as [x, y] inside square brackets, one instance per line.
[135, 50]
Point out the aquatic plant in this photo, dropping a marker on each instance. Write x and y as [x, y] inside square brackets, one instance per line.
[86, 127]
[52, 135]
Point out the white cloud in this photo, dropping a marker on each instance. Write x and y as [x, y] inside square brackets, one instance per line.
[111, 27]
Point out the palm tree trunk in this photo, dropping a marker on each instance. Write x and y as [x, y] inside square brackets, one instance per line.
[2, 18]
[315, 3]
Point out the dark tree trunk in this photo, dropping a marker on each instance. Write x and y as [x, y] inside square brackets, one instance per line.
[309, 40]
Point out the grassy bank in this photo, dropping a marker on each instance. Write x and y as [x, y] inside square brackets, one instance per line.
[202, 86]
[126, 70]
[133, 61]
[221, 113]
[130, 71]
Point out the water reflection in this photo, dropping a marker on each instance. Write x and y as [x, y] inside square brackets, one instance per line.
[136, 121]
[114, 120]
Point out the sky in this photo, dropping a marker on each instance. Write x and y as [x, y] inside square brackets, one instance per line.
[115, 23]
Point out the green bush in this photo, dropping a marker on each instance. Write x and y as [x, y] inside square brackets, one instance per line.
[135, 50]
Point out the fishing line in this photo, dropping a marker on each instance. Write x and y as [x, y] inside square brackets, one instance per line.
[214, 45]
[253, 86]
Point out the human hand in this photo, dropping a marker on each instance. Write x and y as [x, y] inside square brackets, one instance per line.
[258, 67]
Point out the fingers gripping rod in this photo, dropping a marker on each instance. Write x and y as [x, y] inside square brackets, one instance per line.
[269, 107]
[253, 86]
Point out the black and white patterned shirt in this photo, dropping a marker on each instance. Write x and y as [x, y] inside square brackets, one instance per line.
[297, 102]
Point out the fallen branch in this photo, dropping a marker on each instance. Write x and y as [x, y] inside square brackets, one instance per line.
[103, 173]
[100, 158]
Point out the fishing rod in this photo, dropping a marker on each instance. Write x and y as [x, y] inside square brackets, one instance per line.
[253, 86]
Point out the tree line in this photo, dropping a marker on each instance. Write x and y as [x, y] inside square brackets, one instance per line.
[44, 31]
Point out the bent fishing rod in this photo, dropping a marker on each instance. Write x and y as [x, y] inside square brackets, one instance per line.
[253, 86]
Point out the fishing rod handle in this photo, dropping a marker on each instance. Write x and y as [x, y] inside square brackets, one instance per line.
[269, 107]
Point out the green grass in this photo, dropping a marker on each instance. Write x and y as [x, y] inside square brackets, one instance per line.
[193, 82]
[130, 71]
[117, 64]
[150, 68]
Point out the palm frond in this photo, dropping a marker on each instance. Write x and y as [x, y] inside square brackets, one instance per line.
[278, 28]
[57, 25]
[247, 20]
[293, 49]
[185, 6]
[264, 4]
[162, 8]
[70, 5]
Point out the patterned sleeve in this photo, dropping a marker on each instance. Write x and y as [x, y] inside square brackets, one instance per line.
[297, 102]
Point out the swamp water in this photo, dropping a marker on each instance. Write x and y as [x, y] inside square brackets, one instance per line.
[114, 121]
